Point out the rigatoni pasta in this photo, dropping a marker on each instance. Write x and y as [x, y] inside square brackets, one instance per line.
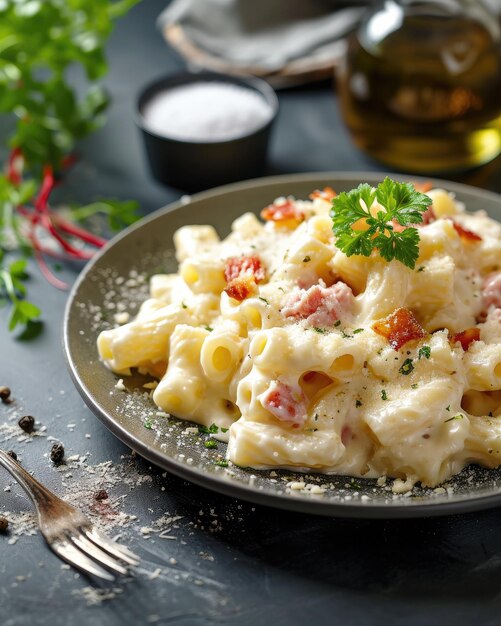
[313, 359]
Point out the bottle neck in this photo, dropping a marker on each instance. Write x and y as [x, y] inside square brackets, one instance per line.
[389, 15]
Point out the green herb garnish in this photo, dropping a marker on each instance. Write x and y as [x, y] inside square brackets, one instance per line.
[222, 463]
[264, 300]
[384, 395]
[358, 403]
[42, 43]
[358, 330]
[211, 444]
[307, 259]
[399, 202]
[322, 331]
[407, 367]
[459, 416]
[211, 430]
[424, 352]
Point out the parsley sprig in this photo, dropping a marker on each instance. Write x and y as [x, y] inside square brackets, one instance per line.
[400, 202]
[41, 42]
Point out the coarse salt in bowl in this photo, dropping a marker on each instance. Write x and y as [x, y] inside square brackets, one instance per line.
[206, 129]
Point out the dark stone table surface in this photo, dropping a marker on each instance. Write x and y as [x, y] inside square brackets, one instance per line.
[223, 561]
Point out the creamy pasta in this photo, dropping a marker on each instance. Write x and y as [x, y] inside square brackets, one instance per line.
[307, 359]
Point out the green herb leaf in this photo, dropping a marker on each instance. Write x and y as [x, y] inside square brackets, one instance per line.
[211, 444]
[424, 352]
[459, 416]
[407, 367]
[400, 202]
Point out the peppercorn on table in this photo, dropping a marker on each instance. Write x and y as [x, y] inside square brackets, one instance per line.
[207, 558]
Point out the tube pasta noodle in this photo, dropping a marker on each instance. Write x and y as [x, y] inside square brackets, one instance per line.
[306, 358]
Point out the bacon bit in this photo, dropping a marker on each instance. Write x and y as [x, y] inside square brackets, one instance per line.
[242, 275]
[286, 214]
[320, 305]
[465, 234]
[466, 338]
[327, 193]
[399, 328]
[423, 187]
[286, 403]
[241, 288]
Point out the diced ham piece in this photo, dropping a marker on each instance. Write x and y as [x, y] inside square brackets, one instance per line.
[465, 234]
[491, 292]
[286, 213]
[242, 274]
[399, 327]
[237, 266]
[327, 193]
[466, 337]
[320, 306]
[286, 403]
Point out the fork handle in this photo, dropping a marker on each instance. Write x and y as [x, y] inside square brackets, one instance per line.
[38, 494]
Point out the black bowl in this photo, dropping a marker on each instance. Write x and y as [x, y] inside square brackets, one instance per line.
[196, 165]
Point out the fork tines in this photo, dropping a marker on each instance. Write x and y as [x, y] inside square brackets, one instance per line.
[92, 552]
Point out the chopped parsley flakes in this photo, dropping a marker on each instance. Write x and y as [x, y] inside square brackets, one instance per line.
[407, 367]
[424, 352]
[384, 395]
[459, 416]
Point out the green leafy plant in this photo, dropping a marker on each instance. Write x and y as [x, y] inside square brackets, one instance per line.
[400, 205]
[39, 41]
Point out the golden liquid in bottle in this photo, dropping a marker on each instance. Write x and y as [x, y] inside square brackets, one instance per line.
[427, 97]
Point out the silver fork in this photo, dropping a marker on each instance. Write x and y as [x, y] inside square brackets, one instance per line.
[68, 532]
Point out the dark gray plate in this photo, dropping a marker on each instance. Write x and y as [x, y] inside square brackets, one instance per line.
[146, 248]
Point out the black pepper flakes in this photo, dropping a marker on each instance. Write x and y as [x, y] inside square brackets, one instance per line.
[5, 394]
[57, 453]
[102, 494]
[4, 524]
[27, 423]
[12, 454]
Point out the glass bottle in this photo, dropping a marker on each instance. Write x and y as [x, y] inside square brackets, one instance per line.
[420, 86]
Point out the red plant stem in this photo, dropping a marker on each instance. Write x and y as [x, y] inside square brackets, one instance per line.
[49, 220]
[44, 268]
[42, 208]
[77, 231]
[45, 189]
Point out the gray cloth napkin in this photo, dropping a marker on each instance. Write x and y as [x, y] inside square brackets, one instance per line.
[268, 34]
[265, 33]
